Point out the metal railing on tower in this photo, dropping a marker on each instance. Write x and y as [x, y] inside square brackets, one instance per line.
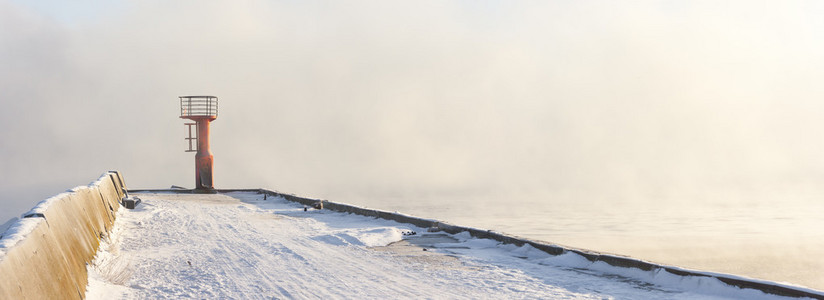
[198, 106]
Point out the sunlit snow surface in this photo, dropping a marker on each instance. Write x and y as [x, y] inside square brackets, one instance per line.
[240, 246]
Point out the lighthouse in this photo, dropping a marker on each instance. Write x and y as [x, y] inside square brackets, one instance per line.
[202, 110]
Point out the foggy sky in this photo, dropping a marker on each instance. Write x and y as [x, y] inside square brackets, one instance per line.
[583, 101]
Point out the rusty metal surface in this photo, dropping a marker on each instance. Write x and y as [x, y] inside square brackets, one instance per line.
[202, 110]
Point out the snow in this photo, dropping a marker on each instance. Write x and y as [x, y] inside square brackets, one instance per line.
[42, 206]
[17, 232]
[238, 245]
[7, 225]
[18, 229]
[371, 237]
[111, 269]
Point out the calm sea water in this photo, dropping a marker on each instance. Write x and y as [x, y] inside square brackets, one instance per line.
[778, 238]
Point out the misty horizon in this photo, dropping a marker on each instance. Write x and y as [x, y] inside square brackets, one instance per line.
[587, 103]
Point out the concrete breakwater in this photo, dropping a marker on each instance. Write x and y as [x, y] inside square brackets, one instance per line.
[44, 254]
[593, 256]
[767, 287]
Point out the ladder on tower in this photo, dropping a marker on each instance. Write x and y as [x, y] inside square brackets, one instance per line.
[192, 139]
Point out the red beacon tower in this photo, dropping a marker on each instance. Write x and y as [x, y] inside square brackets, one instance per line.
[202, 110]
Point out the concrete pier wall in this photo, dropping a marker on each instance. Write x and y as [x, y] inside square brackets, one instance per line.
[44, 255]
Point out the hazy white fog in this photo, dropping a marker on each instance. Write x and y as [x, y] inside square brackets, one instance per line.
[586, 101]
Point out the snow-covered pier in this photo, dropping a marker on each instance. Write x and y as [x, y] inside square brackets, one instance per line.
[259, 244]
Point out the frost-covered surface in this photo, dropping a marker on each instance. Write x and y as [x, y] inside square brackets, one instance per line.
[16, 232]
[42, 206]
[240, 246]
[6, 225]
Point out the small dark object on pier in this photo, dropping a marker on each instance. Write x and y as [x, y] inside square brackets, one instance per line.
[130, 203]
